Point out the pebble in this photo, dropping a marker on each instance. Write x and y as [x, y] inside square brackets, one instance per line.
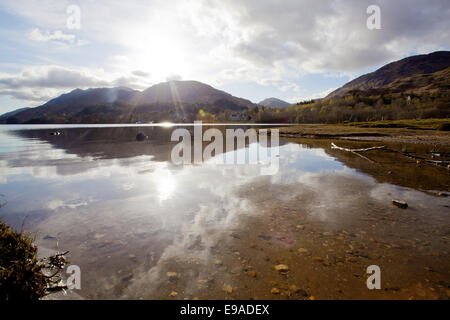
[275, 291]
[400, 204]
[282, 268]
[173, 294]
[132, 257]
[227, 288]
[318, 259]
[302, 250]
[172, 276]
[252, 273]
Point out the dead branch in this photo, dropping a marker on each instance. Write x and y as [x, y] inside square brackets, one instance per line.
[333, 146]
[355, 151]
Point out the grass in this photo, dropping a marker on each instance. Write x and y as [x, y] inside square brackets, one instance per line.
[21, 276]
[426, 124]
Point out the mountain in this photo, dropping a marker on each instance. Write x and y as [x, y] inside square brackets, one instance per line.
[11, 113]
[167, 101]
[186, 92]
[408, 67]
[274, 103]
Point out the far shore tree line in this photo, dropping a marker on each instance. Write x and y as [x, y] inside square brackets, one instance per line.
[357, 107]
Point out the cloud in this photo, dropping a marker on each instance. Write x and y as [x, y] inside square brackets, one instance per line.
[324, 35]
[40, 83]
[140, 73]
[227, 42]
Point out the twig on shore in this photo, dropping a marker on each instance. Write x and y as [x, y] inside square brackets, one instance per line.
[356, 151]
[333, 146]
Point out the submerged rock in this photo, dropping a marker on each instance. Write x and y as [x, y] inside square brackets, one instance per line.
[141, 137]
[275, 291]
[400, 204]
[227, 288]
[172, 276]
[252, 273]
[282, 268]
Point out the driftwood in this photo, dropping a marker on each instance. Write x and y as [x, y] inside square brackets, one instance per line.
[439, 163]
[356, 151]
[54, 264]
[333, 146]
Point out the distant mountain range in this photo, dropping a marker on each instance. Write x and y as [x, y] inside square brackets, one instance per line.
[425, 78]
[393, 72]
[168, 101]
[274, 103]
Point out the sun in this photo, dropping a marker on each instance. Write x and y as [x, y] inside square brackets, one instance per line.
[159, 53]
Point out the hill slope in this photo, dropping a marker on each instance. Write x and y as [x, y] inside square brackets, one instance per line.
[415, 65]
[11, 113]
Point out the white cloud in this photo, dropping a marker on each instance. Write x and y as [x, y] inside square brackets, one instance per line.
[40, 83]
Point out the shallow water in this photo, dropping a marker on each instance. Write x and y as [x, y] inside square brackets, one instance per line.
[128, 216]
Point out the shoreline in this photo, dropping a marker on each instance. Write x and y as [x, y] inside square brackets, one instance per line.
[423, 132]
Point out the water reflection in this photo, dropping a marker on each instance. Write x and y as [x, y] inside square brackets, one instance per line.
[128, 215]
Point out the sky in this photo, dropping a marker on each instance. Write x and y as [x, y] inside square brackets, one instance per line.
[290, 49]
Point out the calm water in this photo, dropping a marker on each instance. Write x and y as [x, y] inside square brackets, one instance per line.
[128, 216]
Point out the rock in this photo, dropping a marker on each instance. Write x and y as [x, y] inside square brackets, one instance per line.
[282, 268]
[264, 237]
[127, 277]
[172, 276]
[400, 204]
[141, 137]
[298, 291]
[318, 259]
[227, 288]
[132, 257]
[173, 294]
[327, 234]
[302, 250]
[300, 227]
[275, 291]
[252, 273]
[235, 235]
[218, 262]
